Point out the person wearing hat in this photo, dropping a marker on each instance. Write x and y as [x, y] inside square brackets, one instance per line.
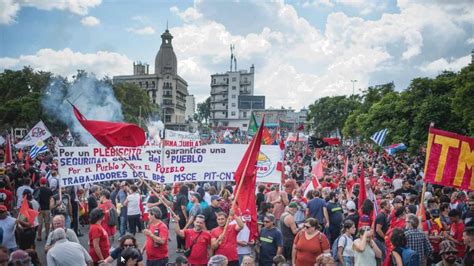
[195, 209]
[352, 214]
[288, 228]
[448, 252]
[44, 199]
[211, 212]
[271, 241]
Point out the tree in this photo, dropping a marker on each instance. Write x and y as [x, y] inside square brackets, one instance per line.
[203, 111]
[132, 98]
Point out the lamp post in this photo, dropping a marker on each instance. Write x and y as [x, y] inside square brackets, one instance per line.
[353, 84]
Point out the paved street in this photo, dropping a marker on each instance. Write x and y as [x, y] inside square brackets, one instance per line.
[85, 240]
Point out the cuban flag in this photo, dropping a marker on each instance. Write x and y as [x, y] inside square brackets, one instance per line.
[392, 149]
[379, 136]
[37, 149]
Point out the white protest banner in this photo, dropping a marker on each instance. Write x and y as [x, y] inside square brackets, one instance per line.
[181, 139]
[37, 133]
[217, 162]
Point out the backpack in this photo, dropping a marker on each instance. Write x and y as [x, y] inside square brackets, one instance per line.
[410, 257]
[113, 217]
[335, 247]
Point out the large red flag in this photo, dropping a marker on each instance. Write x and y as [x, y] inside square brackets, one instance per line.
[267, 137]
[346, 167]
[246, 174]
[8, 151]
[27, 212]
[112, 134]
[362, 189]
[332, 141]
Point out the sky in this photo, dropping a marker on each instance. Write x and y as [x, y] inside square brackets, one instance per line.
[301, 50]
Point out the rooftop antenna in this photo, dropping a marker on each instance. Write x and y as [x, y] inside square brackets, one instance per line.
[166, 24]
[232, 48]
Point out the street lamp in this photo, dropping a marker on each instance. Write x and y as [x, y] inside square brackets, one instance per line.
[353, 83]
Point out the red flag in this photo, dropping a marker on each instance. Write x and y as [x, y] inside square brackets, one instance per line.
[282, 156]
[332, 141]
[112, 134]
[8, 150]
[27, 162]
[266, 136]
[33, 177]
[362, 189]
[19, 155]
[312, 185]
[318, 170]
[300, 127]
[245, 196]
[27, 212]
[346, 167]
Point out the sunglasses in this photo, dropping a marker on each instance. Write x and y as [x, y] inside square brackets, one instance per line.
[129, 246]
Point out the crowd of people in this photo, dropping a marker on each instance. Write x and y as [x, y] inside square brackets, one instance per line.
[326, 225]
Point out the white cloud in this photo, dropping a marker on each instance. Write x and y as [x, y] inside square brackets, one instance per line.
[318, 3]
[8, 11]
[454, 64]
[470, 41]
[142, 31]
[9, 8]
[66, 62]
[189, 15]
[90, 21]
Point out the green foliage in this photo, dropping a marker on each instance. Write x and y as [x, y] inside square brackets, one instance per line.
[21, 93]
[203, 111]
[330, 113]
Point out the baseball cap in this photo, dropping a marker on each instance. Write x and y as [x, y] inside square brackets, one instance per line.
[43, 181]
[447, 246]
[215, 197]
[292, 205]
[351, 205]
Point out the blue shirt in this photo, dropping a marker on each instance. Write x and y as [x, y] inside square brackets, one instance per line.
[270, 240]
[315, 209]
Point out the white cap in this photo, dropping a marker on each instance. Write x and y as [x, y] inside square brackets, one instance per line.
[350, 205]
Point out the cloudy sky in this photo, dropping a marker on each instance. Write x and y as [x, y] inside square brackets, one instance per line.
[302, 50]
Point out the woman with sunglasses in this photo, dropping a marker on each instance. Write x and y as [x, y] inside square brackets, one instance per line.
[127, 241]
[309, 243]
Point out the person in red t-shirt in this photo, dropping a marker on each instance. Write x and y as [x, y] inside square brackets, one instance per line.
[196, 239]
[156, 245]
[106, 204]
[99, 244]
[457, 228]
[226, 243]
[6, 196]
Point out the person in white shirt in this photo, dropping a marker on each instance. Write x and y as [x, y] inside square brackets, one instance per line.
[7, 224]
[65, 252]
[133, 202]
[345, 253]
[243, 237]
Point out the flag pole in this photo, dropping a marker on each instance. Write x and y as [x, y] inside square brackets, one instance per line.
[423, 190]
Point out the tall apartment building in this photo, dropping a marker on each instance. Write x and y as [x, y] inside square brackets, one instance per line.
[232, 99]
[165, 87]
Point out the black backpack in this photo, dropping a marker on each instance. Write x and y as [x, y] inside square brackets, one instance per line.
[113, 217]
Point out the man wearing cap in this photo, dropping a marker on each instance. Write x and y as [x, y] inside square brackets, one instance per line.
[65, 252]
[352, 214]
[448, 254]
[271, 241]
[211, 212]
[288, 229]
[44, 199]
[7, 224]
[226, 243]
[195, 209]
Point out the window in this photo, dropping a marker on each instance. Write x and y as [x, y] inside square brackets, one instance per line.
[245, 79]
[213, 81]
[234, 88]
[245, 115]
[244, 125]
[233, 96]
[232, 113]
[233, 104]
[234, 79]
[223, 113]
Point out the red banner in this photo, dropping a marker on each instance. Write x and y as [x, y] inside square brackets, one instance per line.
[449, 159]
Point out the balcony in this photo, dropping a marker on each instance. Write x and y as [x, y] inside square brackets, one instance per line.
[181, 106]
[168, 103]
[218, 91]
[243, 82]
[167, 95]
[219, 108]
[219, 84]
